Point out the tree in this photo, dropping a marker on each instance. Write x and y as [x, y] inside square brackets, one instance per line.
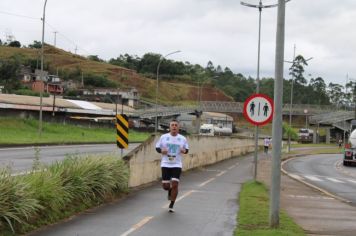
[15, 44]
[335, 93]
[297, 70]
[8, 74]
[35, 44]
[95, 58]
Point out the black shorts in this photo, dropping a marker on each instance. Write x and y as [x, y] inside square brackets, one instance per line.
[169, 174]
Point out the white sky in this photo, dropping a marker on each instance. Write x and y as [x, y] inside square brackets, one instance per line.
[222, 31]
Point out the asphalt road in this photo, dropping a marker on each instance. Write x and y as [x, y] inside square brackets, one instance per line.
[326, 172]
[21, 159]
[207, 204]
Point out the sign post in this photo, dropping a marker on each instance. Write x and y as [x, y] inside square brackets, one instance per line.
[258, 110]
[122, 132]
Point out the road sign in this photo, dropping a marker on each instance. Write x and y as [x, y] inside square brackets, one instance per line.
[122, 130]
[258, 109]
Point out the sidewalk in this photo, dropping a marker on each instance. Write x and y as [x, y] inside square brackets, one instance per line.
[315, 212]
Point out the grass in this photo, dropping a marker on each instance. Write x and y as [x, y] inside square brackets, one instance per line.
[21, 131]
[55, 192]
[253, 217]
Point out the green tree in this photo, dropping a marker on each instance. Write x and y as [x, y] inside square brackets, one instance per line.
[95, 58]
[335, 93]
[35, 44]
[15, 44]
[8, 74]
[297, 70]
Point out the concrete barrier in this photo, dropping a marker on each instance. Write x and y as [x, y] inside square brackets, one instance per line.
[145, 162]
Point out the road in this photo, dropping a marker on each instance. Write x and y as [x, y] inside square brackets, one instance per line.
[207, 204]
[21, 159]
[326, 172]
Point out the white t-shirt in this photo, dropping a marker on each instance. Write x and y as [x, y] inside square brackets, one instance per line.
[173, 144]
[267, 142]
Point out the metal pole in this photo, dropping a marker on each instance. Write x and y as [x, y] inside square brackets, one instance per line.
[291, 103]
[42, 46]
[259, 6]
[277, 119]
[117, 101]
[257, 90]
[157, 75]
[54, 103]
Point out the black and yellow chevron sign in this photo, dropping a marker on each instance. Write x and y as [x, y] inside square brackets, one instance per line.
[122, 129]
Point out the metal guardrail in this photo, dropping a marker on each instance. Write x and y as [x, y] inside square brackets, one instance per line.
[227, 107]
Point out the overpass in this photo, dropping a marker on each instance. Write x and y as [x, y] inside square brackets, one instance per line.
[226, 107]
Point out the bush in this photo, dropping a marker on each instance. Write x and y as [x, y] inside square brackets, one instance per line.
[16, 202]
[54, 192]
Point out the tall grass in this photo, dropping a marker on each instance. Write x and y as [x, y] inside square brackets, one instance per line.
[50, 193]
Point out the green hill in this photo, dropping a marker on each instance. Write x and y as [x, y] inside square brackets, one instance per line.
[68, 65]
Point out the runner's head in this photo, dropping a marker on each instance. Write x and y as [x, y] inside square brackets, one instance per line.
[174, 127]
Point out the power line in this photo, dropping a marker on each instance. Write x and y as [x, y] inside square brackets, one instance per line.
[36, 18]
[18, 15]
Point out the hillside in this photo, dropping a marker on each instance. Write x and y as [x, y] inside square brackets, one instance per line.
[66, 62]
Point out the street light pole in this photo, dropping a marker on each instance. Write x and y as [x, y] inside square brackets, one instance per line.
[291, 97]
[277, 119]
[159, 63]
[41, 76]
[259, 6]
[291, 103]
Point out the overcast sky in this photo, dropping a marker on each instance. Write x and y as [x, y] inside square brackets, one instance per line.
[222, 31]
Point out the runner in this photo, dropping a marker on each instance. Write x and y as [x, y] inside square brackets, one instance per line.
[266, 144]
[172, 145]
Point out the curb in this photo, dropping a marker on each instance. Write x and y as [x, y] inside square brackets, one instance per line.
[309, 184]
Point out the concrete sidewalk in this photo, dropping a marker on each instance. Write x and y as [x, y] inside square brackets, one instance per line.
[315, 212]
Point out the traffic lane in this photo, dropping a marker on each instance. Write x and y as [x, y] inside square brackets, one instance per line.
[322, 171]
[21, 159]
[206, 205]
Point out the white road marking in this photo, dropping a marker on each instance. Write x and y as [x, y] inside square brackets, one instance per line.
[181, 197]
[296, 176]
[221, 173]
[310, 197]
[335, 180]
[352, 181]
[233, 166]
[313, 178]
[137, 226]
[206, 182]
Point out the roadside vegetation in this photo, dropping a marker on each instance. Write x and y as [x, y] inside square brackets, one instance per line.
[25, 131]
[50, 193]
[253, 216]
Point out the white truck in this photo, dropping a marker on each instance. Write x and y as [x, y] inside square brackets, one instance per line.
[350, 149]
[305, 135]
[214, 130]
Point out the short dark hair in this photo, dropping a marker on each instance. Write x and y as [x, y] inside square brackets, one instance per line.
[174, 120]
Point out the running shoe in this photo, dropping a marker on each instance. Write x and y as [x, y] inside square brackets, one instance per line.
[171, 209]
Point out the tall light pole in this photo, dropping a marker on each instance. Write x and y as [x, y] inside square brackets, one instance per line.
[277, 119]
[259, 6]
[159, 63]
[41, 76]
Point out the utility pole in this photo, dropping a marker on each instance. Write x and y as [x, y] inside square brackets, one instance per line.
[277, 119]
[259, 6]
[291, 102]
[55, 38]
[76, 49]
[41, 76]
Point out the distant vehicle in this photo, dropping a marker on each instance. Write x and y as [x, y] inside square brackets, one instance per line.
[214, 130]
[305, 135]
[350, 147]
